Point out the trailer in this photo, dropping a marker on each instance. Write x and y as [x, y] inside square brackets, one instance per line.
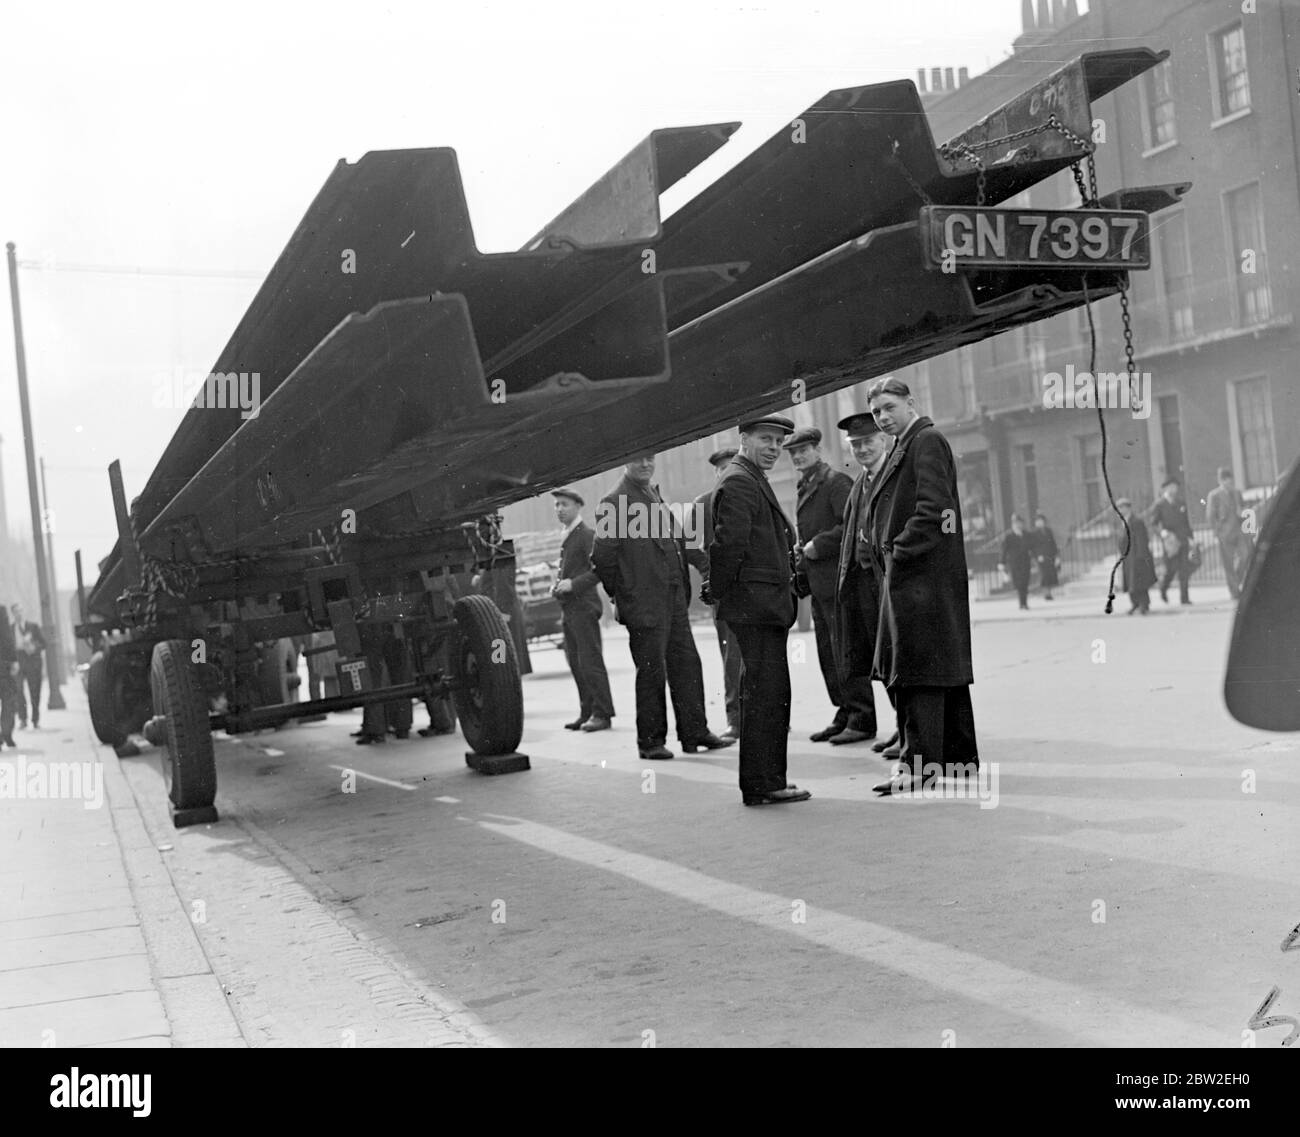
[391, 388]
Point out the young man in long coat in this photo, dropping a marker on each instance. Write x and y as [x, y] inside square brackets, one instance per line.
[751, 575]
[923, 651]
[580, 611]
[641, 557]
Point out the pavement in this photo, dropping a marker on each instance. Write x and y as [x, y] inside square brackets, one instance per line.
[96, 947]
[1123, 879]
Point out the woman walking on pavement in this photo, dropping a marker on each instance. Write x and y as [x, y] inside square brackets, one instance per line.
[1047, 555]
[1017, 550]
[1139, 568]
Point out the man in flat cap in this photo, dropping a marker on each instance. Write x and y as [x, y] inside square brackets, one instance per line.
[923, 651]
[580, 616]
[857, 583]
[640, 556]
[752, 578]
[819, 513]
[727, 645]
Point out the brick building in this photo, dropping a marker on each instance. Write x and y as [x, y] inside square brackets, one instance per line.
[1213, 319]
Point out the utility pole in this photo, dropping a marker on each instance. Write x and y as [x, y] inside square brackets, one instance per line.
[53, 652]
[59, 667]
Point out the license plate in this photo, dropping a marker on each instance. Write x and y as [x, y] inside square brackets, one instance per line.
[956, 237]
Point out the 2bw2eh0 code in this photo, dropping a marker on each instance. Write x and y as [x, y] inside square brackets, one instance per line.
[1030, 238]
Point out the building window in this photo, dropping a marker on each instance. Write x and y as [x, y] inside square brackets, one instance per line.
[1246, 235]
[1230, 71]
[1090, 474]
[1031, 477]
[1157, 95]
[1254, 410]
[1176, 263]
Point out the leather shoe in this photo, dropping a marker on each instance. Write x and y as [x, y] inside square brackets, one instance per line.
[885, 743]
[827, 733]
[777, 797]
[576, 724]
[371, 740]
[594, 723]
[656, 753]
[708, 742]
[846, 736]
[731, 734]
[903, 783]
[892, 752]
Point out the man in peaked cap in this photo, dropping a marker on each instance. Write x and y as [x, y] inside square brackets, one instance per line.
[752, 578]
[727, 646]
[819, 513]
[643, 567]
[580, 616]
[857, 583]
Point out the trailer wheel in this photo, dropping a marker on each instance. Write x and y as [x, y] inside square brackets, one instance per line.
[101, 694]
[489, 696]
[278, 676]
[189, 770]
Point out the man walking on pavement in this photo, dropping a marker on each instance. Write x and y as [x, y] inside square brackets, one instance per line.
[1224, 507]
[1169, 516]
[923, 650]
[857, 586]
[752, 578]
[727, 646]
[1139, 569]
[8, 679]
[580, 616]
[640, 556]
[819, 514]
[30, 643]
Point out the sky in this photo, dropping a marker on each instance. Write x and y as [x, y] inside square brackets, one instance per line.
[191, 138]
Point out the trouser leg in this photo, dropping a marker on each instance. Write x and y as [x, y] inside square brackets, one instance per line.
[33, 675]
[573, 659]
[959, 743]
[764, 707]
[856, 643]
[589, 659]
[8, 702]
[648, 646]
[685, 673]
[731, 669]
[823, 613]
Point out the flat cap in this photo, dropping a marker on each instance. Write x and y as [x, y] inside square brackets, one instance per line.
[776, 422]
[723, 455]
[808, 436]
[572, 494]
[859, 425]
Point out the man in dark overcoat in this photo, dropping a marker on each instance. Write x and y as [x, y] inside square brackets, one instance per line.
[923, 651]
[580, 612]
[1139, 566]
[640, 556]
[819, 512]
[1169, 516]
[752, 578]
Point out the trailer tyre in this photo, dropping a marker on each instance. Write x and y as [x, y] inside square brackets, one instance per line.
[278, 674]
[101, 694]
[190, 769]
[489, 697]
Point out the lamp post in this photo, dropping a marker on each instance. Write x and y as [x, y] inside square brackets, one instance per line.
[53, 650]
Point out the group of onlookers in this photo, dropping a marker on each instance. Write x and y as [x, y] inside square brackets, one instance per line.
[22, 646]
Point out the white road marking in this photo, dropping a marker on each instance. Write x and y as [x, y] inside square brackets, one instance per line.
[271, 751]
[448, 800]
[375, 778]
[1098, 1018]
